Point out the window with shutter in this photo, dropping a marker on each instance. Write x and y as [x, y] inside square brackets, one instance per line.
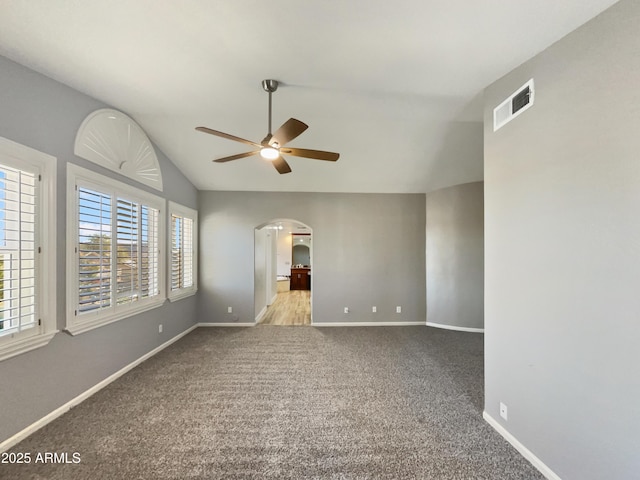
[116, 269]
[27, 250]
[183, 259]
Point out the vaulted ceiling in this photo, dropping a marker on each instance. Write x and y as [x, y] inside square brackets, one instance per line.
[394, 87]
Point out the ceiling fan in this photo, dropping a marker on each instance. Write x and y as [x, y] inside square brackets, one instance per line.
[273, 145]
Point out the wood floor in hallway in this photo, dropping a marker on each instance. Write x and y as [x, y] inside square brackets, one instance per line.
[292, 307]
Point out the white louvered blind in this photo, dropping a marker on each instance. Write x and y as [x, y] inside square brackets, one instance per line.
[187, 250]
[181, 252]
[149, 253]
[18, 256]
[126, 269]
[94, 250]
[127, 255]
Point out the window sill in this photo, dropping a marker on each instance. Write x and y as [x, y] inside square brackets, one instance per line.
[25, 345]
[76, 326]
[180, 294]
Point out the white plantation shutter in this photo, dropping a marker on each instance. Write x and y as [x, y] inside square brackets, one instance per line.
[18, 201]
[183, 250]
[127, 252]
[177, 263]
[94, 250]
[137, 251]
[150, 252]
[134, 269]
[187, 253]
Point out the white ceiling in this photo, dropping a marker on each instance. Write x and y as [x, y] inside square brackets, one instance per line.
[393, 86]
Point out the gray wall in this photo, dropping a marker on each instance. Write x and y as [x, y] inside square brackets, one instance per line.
[455, 256]
[260, 273]
[43, 114]
[562, 230]
[368, 249]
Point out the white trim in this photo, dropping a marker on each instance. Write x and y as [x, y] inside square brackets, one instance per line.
[211, 324]
[452, 327]
[25, 345]
[524, 451]
[366, 324]
[101, 321]
[274, 298]
[37, 425]
[179, 296]
[261, 314]
[113, 140]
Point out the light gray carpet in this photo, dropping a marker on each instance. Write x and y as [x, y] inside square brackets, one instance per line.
[288, 402]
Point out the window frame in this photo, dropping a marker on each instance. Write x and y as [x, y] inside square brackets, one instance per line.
[82, 322]
[24, 158]
[184, 212]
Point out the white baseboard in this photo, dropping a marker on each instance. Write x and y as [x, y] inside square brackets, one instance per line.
[34, 427]
[261, 314]
[237, 324]
[524, 451]
[451, 327]
[273, 299]
[365, 324]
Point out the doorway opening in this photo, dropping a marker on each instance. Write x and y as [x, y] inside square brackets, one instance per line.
[283, 274]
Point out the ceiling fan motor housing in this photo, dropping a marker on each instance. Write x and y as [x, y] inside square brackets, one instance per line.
[270, 85]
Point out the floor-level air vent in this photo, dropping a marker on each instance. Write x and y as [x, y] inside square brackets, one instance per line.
[513, 106]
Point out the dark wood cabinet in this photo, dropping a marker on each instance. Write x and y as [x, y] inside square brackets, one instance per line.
[300, 279]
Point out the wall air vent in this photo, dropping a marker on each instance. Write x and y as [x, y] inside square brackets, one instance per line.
[518, 102]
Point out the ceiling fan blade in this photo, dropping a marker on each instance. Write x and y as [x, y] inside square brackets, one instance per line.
[315, 154]
[288, 131]
[227, 136]
[281, 165]
[236, 157]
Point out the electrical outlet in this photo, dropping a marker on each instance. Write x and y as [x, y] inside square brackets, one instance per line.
[346, 309]
[398, 309]
[160, 328]
[503, 411]
[229, 310]
[374, 309]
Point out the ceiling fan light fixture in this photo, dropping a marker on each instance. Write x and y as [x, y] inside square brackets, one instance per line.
[269, 153]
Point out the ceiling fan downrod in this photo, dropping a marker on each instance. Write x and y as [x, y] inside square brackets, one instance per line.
[269, 86]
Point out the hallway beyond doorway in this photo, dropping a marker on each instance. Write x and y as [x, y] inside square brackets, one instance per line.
[291, 307]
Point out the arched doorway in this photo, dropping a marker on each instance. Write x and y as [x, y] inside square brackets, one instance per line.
[283, 278]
